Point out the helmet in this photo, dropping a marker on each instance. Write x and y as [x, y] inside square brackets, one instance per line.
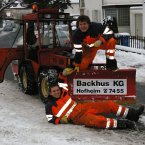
[108, 21]
[111, 23]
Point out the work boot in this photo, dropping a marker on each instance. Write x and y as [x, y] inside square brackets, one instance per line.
[111, 64]
[124, 124]
[134, 114]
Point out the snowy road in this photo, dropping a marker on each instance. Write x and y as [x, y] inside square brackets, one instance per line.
[22, 121]
[22, 118]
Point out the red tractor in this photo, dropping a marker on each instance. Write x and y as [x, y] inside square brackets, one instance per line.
[47, 50]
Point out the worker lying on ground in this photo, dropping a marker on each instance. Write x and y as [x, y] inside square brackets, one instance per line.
[88, 38]
[60, 108]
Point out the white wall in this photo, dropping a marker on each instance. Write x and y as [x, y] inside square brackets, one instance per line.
[123, 29]
[121, 2]
[93, 8]
[92, 5]
[133, 12]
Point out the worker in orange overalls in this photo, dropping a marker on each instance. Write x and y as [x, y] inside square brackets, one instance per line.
[89, 37]
[60, 108]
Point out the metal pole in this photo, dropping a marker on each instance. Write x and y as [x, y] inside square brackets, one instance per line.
[144, 19]
[1, 21]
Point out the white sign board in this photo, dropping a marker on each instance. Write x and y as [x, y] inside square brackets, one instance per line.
[100, 86]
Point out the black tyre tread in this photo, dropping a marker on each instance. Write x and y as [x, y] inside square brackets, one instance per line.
[42, 74]
[31, 84]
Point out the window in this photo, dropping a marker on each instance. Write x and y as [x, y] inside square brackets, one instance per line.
[121, 14]
[46, 35]
[31, 34]
[111, 12]
[59, 38]
[62, 36]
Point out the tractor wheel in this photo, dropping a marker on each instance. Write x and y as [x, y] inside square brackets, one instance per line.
[43, 86]
[28, 84]
[46, 77]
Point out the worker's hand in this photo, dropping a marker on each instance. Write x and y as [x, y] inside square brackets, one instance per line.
[67, 71]
[97, 43]
[84, 45]
[64, 120]
[77, 69]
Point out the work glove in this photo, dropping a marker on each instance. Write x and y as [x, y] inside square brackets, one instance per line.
[97, 43]
[67, 71]
[77, 69]
[64, 120]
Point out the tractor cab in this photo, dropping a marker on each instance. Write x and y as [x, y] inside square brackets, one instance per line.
[46, 31]
[46, 35]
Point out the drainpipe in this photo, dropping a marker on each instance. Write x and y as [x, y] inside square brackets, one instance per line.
[1, 22]
[144, 19]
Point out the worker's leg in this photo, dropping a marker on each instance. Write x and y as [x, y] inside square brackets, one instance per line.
[111, 107]
[87, 59]
[87, 117]
[92, 120]
[111, 62]
[106, 107]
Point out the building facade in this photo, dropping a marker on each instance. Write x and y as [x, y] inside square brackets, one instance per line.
[92, 8]
[129, 13]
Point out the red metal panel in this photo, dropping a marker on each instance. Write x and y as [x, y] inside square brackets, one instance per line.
[32, 16]
[49, 11]
[52, 59]
[6, 56]
[127, 75]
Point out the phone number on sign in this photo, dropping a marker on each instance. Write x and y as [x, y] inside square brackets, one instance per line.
[113, 91]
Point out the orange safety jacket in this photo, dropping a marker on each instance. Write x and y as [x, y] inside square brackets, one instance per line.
[61, 107]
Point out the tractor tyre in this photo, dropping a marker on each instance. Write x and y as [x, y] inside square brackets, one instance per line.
[28, 84]
[43, 86]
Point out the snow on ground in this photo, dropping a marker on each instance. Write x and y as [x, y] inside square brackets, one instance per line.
[132, 60]
[23, 122]
[127, 60]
